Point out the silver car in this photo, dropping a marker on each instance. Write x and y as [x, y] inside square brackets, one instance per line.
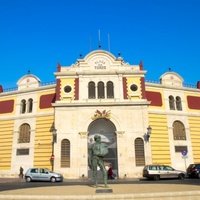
[42, 174]
[162, 171]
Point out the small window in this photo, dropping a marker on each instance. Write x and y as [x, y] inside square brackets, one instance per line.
[171, 103]
[67, 89]
[134, 87]
[23, 106]
[30, 105]
[101, 93]
[22, 152]
[178, 103]
[91, 90]
[110, 90]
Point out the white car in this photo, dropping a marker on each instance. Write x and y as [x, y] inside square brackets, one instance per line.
[42, 174]
[162, 171]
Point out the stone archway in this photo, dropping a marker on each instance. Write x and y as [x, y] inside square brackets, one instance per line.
[106, 129]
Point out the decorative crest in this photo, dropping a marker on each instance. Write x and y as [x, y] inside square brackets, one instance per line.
[98, 114]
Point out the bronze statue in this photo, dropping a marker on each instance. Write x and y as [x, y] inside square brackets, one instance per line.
[96, 153]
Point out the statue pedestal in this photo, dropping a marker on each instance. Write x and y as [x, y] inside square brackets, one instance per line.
[104, 191]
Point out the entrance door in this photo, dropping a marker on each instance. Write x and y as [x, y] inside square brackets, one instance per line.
[106, 129]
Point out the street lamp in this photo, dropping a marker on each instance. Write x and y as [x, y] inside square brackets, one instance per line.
[149, 129]
[54, 134]
[54, 140]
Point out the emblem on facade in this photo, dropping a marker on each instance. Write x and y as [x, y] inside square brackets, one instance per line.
[100, 64]
[104, 114]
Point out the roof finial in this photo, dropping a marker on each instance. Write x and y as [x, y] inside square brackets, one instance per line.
[99, 40]
[80, 55]
[29, 71]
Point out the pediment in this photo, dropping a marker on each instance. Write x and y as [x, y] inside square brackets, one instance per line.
[28, 81]
[171, 78]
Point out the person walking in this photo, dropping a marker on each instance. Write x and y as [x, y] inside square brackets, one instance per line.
[21, 172]
[110, 173]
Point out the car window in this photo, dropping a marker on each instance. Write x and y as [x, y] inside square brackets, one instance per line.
[34, 170]
[153, 167]
[160, 167]
[168, 168]
[42, 171]
[198, 166]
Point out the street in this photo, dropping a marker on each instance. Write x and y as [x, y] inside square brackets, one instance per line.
[14, 184]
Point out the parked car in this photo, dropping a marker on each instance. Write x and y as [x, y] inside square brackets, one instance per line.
[157, 172]
[193, 171]
[42, 174]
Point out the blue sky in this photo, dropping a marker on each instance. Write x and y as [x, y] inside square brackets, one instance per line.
[37, 34]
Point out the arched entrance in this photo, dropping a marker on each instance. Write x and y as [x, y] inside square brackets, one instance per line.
[106, 129]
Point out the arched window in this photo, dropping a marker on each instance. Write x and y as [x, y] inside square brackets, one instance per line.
[30, 105]
[101, 93]
[110, 90]
[179, 131]
[91, 90]
[65, 153]
[24, 133]
[178, 103]
[171, 103]
[23, 106]
[139, 152]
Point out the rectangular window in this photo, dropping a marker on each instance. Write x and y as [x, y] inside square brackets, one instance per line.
[179, 149]
[22, 152]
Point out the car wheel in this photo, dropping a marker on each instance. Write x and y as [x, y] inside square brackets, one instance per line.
[53, 179]
[156, 177]
[28, 179]
[181, 176]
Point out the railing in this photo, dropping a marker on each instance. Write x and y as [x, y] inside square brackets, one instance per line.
[54, 82]
[184, 84]
[41, 84]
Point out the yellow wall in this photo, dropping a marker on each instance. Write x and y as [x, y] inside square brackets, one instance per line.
[134, 80]
[194, 124]
[43, 141]
[159, 139]
[6, 141]
[64, 95]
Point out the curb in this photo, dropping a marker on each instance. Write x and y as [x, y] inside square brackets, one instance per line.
[186, 195]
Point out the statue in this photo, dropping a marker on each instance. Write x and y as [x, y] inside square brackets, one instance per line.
[96, 153]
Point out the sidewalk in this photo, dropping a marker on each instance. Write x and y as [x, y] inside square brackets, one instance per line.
[125, 190]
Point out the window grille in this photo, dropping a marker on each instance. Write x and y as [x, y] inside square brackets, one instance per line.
[171, 103]
[23, 106]
[179, 131]
[24, 133]
[30, 105]
[110, 90]
[101, 93]
[22, 152]
[65, 153]
[178, 103]
[139, 152]
[91, 90]
[179, 149]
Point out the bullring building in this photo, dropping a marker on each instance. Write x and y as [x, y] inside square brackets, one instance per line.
[53, 125]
